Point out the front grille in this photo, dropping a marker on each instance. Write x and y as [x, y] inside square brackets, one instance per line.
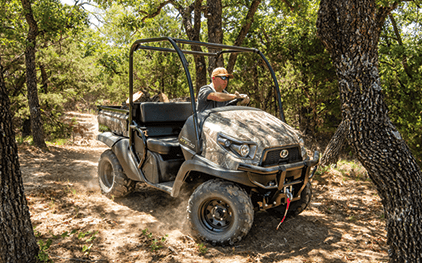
[272, 156]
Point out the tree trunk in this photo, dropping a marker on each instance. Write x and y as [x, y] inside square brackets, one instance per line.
[336, 144]
[350, 31]
[31, 77]
[193, 31]
[44, 79]
[242, 34]
[17, 240]
[215, 31]
[200, 66]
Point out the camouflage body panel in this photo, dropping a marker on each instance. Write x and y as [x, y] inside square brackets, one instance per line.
[254, 125]
[117, 122]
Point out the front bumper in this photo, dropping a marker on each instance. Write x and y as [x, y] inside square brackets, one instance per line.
[280, 176]
[273, 182]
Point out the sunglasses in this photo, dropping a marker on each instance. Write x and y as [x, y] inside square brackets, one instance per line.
[223, 77]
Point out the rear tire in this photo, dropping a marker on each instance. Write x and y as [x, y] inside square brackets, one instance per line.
[220, 212]
[113, 181]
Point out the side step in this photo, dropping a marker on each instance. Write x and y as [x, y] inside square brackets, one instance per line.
[166, 186]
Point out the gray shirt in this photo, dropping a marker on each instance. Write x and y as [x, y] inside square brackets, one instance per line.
[204, 103]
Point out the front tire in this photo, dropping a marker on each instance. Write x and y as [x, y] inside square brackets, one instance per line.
[220, 212]
[111, 177]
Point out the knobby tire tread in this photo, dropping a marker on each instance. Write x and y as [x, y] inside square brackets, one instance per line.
[241, 200]
[122, 186]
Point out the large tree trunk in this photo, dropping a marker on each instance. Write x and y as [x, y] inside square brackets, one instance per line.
[17, 240]
[31, 77]
[215, 31]
[350, 31]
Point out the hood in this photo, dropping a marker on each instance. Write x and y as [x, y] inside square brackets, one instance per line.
[244, 124]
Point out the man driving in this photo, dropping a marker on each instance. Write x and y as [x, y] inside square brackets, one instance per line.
[214, 95]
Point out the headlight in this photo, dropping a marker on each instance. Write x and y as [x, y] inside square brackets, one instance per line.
[244, 150]
[241, 149]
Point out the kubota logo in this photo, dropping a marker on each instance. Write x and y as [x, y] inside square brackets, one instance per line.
[284, 153]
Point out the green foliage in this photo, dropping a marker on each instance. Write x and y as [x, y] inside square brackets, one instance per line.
[56, 23]
[44, 246]
[36, 233]
[307, 80]
[400, 58]
[82, 235]
[155, 243]
[42, 254]
[92, 237]
[202, 249]
[55, 19]
[87, 249]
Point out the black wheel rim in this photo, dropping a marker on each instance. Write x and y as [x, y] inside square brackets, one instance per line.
[216, 215]
[107, 175]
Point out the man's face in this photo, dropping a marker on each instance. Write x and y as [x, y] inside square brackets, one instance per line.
[219, 83]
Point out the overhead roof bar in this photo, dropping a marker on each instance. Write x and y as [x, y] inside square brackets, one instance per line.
[174, 51]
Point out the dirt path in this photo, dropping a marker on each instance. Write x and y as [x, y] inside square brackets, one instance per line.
[344, 222]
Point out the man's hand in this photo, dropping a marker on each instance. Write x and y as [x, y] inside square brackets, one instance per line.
[244, 97]
[237, 94]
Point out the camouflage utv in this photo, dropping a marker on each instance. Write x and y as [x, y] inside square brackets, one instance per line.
[235, 160]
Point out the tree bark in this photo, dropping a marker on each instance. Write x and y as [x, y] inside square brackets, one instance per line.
[350, 31]
[242, 34]
[44, 79]
[193, 32]
[31, 77]
[17, 240]
[214, 15]
[336, 144]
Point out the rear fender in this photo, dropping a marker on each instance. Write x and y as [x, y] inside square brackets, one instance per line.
[126, 159]
[109, 138]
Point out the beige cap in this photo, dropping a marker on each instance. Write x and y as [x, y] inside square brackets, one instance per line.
[221, 72]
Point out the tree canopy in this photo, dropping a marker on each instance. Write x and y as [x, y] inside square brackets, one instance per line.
[79, 62]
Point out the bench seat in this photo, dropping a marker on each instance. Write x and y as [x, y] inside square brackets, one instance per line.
[162, 112]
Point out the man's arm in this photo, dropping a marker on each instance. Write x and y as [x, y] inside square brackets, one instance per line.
[220, 96]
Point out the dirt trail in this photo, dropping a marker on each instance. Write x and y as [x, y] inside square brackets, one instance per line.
[344, 222]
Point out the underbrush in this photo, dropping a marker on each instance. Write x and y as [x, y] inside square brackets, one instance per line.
[345, 170]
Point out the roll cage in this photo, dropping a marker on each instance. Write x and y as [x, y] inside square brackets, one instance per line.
[141, 44]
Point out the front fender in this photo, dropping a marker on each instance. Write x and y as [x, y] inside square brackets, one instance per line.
[199, 164]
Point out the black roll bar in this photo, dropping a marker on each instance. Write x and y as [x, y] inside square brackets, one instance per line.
[174, 51]
[138, 44]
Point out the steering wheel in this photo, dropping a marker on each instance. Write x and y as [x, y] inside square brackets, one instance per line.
[234, 102]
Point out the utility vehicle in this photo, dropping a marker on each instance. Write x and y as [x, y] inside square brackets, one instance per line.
[236, 160]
